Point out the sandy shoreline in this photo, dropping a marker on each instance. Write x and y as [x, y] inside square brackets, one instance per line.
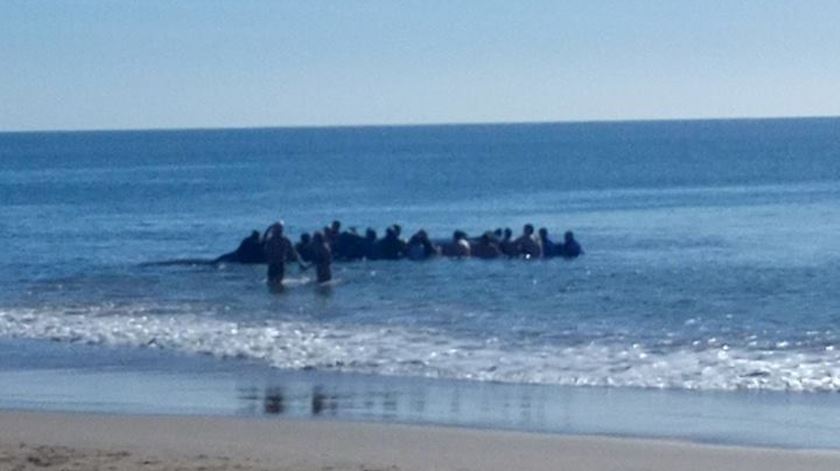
[68, 441]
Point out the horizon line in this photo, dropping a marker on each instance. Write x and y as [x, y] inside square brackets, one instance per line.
[416, 125]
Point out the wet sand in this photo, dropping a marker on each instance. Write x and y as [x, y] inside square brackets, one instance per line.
[69, 441]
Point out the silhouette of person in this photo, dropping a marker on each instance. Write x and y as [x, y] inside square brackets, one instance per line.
[348, 246]
[507, 245]
[420, 247]
[486, 247]
[321, 257]
[391, 247]
[278, 248]
[527, 245]
[571, 248]
[459, 247]
[304, 247]
[370, 245]
[331, 233]
[549, 248]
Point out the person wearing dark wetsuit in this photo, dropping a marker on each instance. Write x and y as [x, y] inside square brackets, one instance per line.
[349, 246]
[459, 247]
[549, 248]
[278, 248]
[332, 232]
[391, 247]
[527, 245]
[370, 245]
[486, 247]
[321, 257]
[420, 247]
[304, 247]
[570, 248]
[507, 245]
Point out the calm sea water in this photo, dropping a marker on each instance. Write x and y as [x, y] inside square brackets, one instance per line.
[713, 250]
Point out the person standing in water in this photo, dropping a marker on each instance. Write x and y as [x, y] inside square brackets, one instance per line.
[528, 246]
[420, 247]
[304, 247]
[370, 245]
[459, 247]
[507, 245]
[277, 248]
[570, 248]
[332, 232]
[321, 257]
[391, 247]
[486, 247]
[549, 248]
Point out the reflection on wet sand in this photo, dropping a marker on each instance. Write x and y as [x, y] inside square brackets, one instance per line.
[377, 402]
[273, 403]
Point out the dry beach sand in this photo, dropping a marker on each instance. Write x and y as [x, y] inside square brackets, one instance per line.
[67, 441]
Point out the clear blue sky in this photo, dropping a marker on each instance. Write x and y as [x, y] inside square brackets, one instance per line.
[203, 63]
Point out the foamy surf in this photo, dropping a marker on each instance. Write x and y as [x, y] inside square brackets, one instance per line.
[430, 353]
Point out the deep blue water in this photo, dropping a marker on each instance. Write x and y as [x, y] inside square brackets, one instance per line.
[712, 258]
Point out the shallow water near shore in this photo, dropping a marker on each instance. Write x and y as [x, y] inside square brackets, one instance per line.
[78, 378]
[712, 261]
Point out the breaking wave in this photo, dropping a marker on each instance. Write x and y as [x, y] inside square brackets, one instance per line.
[430, 353]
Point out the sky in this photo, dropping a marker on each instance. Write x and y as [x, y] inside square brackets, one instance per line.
[68, 65]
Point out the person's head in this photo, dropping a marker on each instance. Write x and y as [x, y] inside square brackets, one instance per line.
[487, 237]
[279, 226]
[498, 233]
[397, 229]
[390, 233]
[528, 229]
[336, 226]
[305, 238]
[255, 235]
[318, 238]
[422, 235]
[370, 234]
[543, 233]
[459, 235]
[508, 233]
[568, 236]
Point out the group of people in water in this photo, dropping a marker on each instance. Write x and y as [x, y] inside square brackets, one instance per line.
[333, 243]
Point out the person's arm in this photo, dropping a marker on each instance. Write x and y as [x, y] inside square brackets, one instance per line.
[297, 257]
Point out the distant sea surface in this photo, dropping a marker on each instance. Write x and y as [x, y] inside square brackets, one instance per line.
[712, 250]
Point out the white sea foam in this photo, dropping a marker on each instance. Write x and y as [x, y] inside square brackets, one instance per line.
[416, 352]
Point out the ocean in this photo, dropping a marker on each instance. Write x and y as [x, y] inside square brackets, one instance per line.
[711, 268]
